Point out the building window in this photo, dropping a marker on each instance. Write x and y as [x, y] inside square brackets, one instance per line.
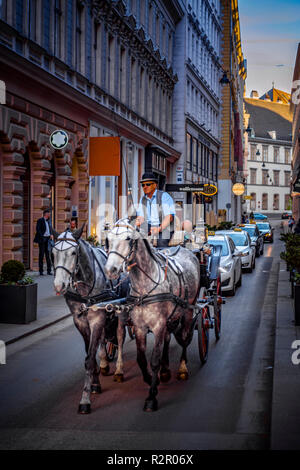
[195, 155]
[46, 25]
[252, 152]
[276, 154]
[287, 176]
[122, 78]
[264, 205]
[78, 36]
[264, 177]
[32, 20]
[253, 201]
[287, 156]
[88, 43]
[276, 202]
[265, 153]
[252, 175]
[188, 151]
[19, 15]
[70, 32]
[57, 29]
[142, 93]
[287, 202]
[276, 177]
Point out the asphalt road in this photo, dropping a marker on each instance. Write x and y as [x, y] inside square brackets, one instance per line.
[225, 404]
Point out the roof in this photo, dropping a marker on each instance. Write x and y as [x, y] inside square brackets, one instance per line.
[266, 116]
[276, 96]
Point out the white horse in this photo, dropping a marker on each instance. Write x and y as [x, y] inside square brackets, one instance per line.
[163, 292]
[80, 277]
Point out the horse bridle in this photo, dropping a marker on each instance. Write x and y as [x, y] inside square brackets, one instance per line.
[70, 241]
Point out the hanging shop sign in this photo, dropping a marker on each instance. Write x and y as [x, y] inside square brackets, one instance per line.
[59, 139]
[205, 189]
[104, 156]
[238, 189]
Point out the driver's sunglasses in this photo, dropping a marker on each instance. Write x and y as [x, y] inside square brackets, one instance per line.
[146, 184]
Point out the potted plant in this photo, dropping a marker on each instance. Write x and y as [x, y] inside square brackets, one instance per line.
[18, 294]
[292, 257]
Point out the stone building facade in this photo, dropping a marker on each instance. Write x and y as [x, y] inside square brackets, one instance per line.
[197, 96]
[295, 110]
[269, 154]
[90, 68]
[232, 94]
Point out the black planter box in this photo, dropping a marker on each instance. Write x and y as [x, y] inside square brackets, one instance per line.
[297, 304]
[18, 304]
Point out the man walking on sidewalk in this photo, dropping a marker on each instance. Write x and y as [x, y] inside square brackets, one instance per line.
[42, 237]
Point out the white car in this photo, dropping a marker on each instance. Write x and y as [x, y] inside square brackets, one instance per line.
[230, 264]
[242, 242]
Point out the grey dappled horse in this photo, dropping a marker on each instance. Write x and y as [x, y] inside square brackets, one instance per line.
[169, 289]
[79, 276]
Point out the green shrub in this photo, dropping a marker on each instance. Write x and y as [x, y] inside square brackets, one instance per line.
[12, 271]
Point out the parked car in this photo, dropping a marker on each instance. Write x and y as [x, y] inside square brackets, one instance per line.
[286, 214]
[242, 241]
[266, 230]
[258, 216]
[230, 264]
[257, 239]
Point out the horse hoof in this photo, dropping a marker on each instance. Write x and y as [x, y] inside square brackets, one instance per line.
[150, 405]
[165, 376]
[96, 388]
[104, 370]
[84, 409]
[119, 378]
[182, 376]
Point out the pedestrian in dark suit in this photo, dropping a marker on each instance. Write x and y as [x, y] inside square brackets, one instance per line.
[42, 237]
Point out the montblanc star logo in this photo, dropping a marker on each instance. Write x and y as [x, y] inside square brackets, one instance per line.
[59, 139]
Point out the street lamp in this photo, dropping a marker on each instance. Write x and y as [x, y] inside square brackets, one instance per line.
[224, 80]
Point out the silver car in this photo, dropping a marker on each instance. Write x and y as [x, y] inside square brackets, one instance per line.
[242, 242]
[230, 264]
[257, 239]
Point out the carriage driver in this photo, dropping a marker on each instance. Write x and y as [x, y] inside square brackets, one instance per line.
[156, 211]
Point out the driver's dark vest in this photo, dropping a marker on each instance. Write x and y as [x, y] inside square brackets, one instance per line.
[160, 210]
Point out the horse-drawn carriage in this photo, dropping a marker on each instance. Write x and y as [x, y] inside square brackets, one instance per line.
[175, 290]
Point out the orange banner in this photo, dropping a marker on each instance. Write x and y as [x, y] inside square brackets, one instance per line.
[104, 156]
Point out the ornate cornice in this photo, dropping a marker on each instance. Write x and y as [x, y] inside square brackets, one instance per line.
[113, 15]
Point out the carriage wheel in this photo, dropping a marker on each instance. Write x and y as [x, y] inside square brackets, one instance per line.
[203, 334]
[130, 331]
[202, 295]
[218, 310]
[110, 350]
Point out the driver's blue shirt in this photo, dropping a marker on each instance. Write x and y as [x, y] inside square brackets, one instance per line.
[168, 208]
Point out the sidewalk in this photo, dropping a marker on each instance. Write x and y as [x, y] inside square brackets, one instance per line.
[50, 309]
[285, 427]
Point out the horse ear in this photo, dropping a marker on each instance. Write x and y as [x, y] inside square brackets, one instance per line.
[55, 233]
[77, 233]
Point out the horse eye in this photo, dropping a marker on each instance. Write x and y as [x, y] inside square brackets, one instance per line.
[74, 253]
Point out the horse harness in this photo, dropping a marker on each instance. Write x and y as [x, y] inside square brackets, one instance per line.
[88, 300]
[165, 261]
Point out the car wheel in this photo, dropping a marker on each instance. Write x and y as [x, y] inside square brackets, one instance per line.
[233, 290]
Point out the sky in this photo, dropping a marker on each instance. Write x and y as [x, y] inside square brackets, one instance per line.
[270, 33]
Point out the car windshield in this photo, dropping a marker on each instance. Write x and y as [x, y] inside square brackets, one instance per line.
[263, 226]
[223, 244]
[240, 239]
[250, 230]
